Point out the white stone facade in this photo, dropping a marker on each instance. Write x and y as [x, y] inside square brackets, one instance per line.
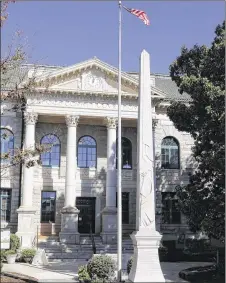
[89, 91]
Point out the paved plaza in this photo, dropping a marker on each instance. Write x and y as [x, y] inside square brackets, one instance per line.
[67, 272]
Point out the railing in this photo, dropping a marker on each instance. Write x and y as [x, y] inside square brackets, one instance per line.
[35, 240]
[92, 240]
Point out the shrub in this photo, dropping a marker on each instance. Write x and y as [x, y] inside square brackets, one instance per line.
[3, 255]
[198, 273]
[1, 265]
[28, 254]
[101, 268]
[83, 274]
[129, 265]
[10, 252]
[198, 246]
[14, 242]
[163, 252]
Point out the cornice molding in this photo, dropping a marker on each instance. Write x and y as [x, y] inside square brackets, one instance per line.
[82, 93]
[79, 102]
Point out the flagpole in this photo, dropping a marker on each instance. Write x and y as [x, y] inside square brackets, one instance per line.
[119, 165]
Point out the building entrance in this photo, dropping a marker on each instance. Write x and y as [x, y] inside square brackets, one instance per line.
[86, 217]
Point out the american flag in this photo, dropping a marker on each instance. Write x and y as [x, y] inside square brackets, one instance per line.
[140, 14]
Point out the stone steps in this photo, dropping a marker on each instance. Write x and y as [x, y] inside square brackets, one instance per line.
[58, 252]
[78, 256]
[76, 262]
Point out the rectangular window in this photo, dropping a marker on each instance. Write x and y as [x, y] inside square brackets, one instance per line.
[48, 205]
[125, 207]
[170, 211]
[5, 204]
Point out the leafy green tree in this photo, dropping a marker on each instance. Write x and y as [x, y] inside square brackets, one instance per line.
[200, 72]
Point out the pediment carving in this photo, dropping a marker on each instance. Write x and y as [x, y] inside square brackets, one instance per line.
[91, 76]
[91, 80]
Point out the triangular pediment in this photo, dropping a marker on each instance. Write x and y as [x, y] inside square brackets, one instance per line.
[92, 79]
[91, 76]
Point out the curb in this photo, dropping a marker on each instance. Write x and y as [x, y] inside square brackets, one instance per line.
[21, 277]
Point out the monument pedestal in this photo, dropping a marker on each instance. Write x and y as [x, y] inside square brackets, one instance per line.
[69, 226]
[146, 240]
[146, 265]
[109, 225]
[26, 230]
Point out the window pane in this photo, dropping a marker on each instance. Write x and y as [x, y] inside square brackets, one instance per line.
[165, 217]
[7, 144]
[86, 146]
[125, 207]
[174, 158]
[176, 217]
[5, 203]
[48, 206]
[170, 210]
[55, 149]
[170, 153]
[52, 156]
[126, 153]
[44, 195]
[82, 164]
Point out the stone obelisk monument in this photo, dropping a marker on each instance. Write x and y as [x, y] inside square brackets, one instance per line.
[146, 266]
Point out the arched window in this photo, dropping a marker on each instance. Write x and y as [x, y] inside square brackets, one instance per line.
[7, 144]
[51, 157]
[126, 153]
[87, 152]
[170, 153]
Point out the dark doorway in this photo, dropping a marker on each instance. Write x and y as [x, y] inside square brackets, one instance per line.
[86, 217]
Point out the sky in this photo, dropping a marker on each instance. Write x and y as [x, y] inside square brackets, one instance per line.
[64, 33]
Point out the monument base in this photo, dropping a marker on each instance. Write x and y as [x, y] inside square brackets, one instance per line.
[26, 230]
[69, 226]
[146, 265]
[109, 225]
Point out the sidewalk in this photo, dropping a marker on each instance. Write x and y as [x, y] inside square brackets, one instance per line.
[67, 272]
[40, 274]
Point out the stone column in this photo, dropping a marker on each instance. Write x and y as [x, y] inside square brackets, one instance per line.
[26, 230]
[69, 214]
[109, 213]
[146, 240]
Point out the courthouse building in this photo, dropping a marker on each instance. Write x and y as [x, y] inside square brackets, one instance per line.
[75, 109]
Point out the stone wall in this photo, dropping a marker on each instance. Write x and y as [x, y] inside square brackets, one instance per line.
[91, 182]
[168, 179]
[10, 177]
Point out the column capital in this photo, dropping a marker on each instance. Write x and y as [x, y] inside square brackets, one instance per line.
[111, 122]
[30, 118]
[72, 120]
